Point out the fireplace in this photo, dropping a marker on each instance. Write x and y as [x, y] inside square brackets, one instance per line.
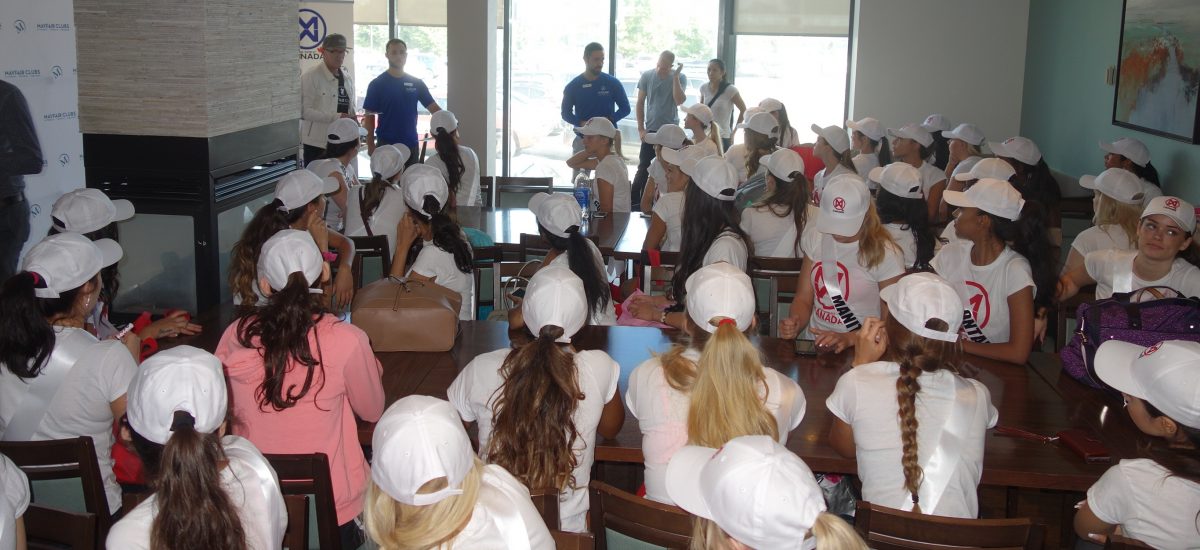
[193, 198]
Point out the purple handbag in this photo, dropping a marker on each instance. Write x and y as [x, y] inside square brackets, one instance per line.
[1143, 317]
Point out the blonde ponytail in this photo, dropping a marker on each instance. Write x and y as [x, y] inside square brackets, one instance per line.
[714, 135]
[725, 400]
[394, 525]
[832, 533]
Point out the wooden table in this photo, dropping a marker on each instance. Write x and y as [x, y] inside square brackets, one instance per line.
[623, 232]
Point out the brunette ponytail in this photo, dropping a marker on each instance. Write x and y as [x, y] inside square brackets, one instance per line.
[533, 411]
[1028, 237]
[447, 150]
[243, 266]
[446, 234]
[281, 328]
[584, 265]
[26, 337]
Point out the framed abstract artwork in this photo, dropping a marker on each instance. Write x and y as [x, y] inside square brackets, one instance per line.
[1158, 68]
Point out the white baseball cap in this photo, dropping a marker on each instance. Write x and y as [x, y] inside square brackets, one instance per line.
[715, 177]
[685, 158]
[670, 136]
[700, 111]
[555, 297]
[598, 126]
[770, 104]
[720, 291]
[1118, 183]
[756, 490]
[559, 213]
[913, 132]
[1019, 148]
[286, 252]
[900, 179]
[844, 203]
[1175, 208]
[443, 119]
[1167, 375]
[423, 180]
[86, 210]
[992, 168]
[388, 160]
[920, 297]
[418, 439]
[834, 136]
[993, 196]
[182, 378]
[66, 261]
[299, 187]
[936, 123]
[345, 130]
[868, 126]
[763, 123]
[964, 167]
[783, 163]
[749, 112]
[1129, 148]
[966, 132]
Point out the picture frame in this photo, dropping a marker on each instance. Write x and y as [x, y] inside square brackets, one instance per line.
[1157, 87]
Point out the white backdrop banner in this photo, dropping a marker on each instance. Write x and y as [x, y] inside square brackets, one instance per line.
[38, 44]
[320, 19]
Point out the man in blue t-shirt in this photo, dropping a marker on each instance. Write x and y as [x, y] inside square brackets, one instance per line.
[592, 94]
[393, 97]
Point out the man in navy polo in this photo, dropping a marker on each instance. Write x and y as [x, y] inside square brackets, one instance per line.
[393, 97]
[592, 94]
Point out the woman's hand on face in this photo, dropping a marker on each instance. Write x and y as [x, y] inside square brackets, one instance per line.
[871, 342]
[406, 230]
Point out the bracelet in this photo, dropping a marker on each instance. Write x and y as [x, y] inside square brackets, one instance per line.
[663, 318]
[329, 256]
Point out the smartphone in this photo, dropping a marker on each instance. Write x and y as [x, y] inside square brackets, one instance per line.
[806, 347]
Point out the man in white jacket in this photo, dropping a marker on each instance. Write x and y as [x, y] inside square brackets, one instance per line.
[326, 94]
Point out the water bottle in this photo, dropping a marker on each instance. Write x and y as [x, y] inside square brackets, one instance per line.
[583, 194]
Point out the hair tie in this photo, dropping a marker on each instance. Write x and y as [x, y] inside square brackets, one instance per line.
[38, 281]
[726, 321]
[183, 419]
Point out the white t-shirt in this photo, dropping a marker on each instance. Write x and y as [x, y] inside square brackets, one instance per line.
[662, 413]
[767, 226]
[383, 221]
[503, 510]
[432, 261]
[865, 398]
[82, 404]
[1101, 237]
[252, 487]
[707, 146]
[475, 390]
[824, 176]
[930, 176]
[988, 287]
[1105, 265]
[861, 292]
[905, 240]
[791, 138]
[608, 316]
[612, 169]
[863, 163]
[669, 209]
[728, 247]
[326, 168]
[722, 108]
[1148, 503]
[1149, 191]
[468, 187]
[13, 501]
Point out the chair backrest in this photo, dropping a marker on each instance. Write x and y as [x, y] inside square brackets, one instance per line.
[508, 276]
[639, 518]
[573, 541]
[780, 273]
[887, 528]
[65, 459]
[375, 246]
[487, 190]
[309, 474]
[47, 528]
[546, 502]
[1117, 542]
[484, 257]
[658, 276]
[514, 192]
[296, 535]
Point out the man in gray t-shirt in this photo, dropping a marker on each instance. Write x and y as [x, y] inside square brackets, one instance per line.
[660, 93]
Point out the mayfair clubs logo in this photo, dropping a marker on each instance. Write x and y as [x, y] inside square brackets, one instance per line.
[64, 159]
[312, 29]
[19, 25]
[57, 71]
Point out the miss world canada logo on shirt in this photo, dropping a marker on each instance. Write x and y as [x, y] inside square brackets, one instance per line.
[827, 313]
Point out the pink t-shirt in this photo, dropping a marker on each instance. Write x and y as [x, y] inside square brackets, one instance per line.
[323, 420]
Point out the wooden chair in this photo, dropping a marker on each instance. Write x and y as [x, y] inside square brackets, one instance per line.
[661, 273]
[65, 459]
[47, 528]
[546, 502]
[294, 538]
[1117, 542]
[1068, 310]
[514, 192]
[887, 529]
[573, 541]
[643, 519]
[483, 258]
[308, 474]
[502, 274]
[486, 190]
[780, 274]
[375, 246]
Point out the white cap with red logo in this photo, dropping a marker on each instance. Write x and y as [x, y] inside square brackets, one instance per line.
[1167, 375]
[1175, 208]
[844, 204]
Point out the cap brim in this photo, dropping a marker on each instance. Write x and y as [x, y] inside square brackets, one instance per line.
[110, 251]
[683, 479]
[959, 199]
[1114, 366]
[329, 185]
[876, 174]
[999, 149]
[889, 293]
[124, 210]
[964, 176]
[1087, 182]
[1108, 148]
[842, 227]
